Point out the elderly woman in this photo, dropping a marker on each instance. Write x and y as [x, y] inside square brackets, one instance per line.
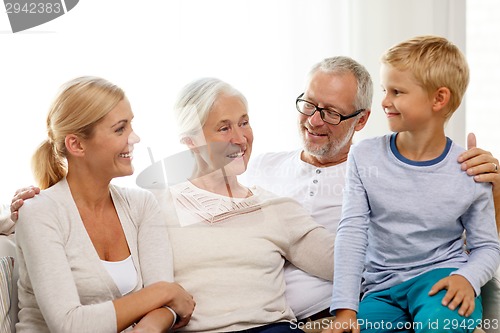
[230, 242]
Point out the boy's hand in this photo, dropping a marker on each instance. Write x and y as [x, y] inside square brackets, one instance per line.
[345, 321]
[460, 291]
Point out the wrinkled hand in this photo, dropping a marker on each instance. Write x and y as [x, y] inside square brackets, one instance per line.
[182, 303]
[479, 163]
[459, 291]
[18, 200]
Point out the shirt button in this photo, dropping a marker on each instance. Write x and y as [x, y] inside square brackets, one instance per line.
[311, 194]
[315, 181]
[318, 171]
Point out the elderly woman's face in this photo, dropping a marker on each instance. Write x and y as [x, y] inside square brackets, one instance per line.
[228, 136]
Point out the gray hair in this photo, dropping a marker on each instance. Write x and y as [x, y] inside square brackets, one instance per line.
[195, 101]
[344, 65]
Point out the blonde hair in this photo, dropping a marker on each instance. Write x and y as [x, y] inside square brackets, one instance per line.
[80, 105]
[435, 62]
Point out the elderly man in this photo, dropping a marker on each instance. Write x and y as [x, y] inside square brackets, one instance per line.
[335, 104]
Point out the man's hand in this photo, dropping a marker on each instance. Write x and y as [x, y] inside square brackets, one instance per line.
[485, 169]
[460, 292]
[18, 200]
[479, 163]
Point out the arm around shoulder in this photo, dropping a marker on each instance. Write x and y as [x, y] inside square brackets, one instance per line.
[6, 224]
[496, 198]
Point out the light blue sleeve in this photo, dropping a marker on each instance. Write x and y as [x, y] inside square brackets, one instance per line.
[351, 241]
[479, 222]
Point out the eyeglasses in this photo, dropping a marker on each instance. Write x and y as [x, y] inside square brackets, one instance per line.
[328, 115]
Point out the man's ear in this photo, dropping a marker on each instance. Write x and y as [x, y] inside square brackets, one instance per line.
[74, 145]
[441, 98]
[363, 118]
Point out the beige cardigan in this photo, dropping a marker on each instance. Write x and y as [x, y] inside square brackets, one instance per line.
[6, 224]
[63, 286]
[229, 254]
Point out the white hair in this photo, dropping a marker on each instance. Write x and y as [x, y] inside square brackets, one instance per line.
[195, 101]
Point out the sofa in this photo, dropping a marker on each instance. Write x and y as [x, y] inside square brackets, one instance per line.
[8, 284]
[8, 288]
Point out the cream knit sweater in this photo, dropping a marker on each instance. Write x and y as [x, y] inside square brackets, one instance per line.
[229, 254]
[63, 286]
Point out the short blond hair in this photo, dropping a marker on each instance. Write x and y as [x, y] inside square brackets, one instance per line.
[435, 62]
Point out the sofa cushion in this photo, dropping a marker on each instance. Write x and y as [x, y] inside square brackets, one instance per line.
[6, 289]
[491, 304]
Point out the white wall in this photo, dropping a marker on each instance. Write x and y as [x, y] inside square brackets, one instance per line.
[377, 25]
[483, 53]
[153, 47]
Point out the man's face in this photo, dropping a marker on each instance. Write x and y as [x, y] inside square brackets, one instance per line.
[325, 143]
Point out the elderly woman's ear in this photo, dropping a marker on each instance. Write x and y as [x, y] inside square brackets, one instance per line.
[189, 142]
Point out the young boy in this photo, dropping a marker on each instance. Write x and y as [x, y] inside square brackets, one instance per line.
[407, 205]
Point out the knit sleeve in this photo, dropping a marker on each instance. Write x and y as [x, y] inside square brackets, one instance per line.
[41, 250]
[351, 241]
[6, 224]
[479, 223]
[155, 253]
[310, 245]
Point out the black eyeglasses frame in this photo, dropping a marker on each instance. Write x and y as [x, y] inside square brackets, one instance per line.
[322, 112]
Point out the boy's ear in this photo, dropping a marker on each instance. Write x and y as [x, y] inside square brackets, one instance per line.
[441, 98]
[74, 145]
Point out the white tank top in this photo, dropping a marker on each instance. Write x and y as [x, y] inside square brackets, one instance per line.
[123, 273]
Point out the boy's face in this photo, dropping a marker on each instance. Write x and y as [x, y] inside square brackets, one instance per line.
[407, 105]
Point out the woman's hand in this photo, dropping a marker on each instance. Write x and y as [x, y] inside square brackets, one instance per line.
[18, 200]
[151, 300]
[182, 303]
[156, 321]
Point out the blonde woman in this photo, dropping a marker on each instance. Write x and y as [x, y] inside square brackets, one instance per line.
[93, 257]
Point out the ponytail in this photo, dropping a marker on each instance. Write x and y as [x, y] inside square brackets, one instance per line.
[82, 103]
[47, 165]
